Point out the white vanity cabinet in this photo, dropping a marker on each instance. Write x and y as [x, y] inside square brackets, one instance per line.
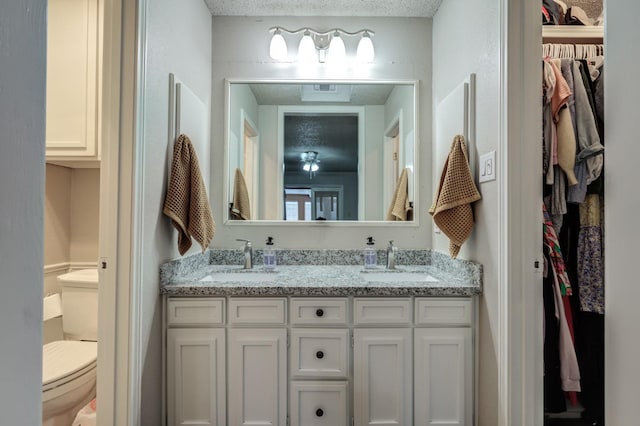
[382, 361]
[73, 81]
[320, 361]
[443, 362]
[257, 367]
[196, 366]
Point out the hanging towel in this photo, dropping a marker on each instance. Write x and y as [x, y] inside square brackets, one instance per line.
[400, 206]
[451, 208]
[240, 208]
[186, 202]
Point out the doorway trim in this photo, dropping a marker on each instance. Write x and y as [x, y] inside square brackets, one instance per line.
[116, 384]
[520, 338]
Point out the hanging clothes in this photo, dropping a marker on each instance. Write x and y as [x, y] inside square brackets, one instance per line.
[555, 253]
[590, 262]
[573, 107]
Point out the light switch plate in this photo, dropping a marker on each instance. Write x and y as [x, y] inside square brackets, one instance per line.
[487, 169]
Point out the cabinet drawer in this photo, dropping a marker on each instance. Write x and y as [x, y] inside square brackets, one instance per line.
[315, 311]
[319, 403]
[197, 311]
[319, 353]
[443, 311]
[382, 311]
[257, 311]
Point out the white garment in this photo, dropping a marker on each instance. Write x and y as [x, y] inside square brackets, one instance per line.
[569, 370]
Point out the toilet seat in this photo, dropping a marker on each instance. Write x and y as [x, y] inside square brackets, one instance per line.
[64, 361]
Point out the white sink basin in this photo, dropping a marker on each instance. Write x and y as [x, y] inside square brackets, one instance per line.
[396, 277]
[225, 277]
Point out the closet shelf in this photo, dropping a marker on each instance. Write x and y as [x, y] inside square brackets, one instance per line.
[572, 33]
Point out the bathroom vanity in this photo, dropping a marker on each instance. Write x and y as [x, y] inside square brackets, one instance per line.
[321, 344]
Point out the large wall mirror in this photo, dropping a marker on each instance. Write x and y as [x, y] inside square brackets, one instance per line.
[321, 151]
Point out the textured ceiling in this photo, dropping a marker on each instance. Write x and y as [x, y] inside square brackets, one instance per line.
[333, 137]
[403, 8]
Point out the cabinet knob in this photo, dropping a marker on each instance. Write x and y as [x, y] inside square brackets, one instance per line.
[319, 312]
[319, 412]
[319, 354]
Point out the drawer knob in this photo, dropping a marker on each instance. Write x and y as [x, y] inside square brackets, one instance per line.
[319, 412]
[319, 354]
[319, 312]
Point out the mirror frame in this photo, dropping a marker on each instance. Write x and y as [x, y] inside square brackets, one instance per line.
[330, 223]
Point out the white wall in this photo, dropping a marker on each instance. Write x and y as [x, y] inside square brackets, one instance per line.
[22, 120]
[400, 106]
[242, 99]
[622, 233]
[178, 40]
[241, 50]
[374, 208]
[268, 124]
[401, 102]
[466, 39]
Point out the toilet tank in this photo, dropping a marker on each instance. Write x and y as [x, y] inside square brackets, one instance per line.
[80, 304]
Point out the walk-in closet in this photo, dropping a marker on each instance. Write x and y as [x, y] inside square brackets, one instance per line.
[573, 67]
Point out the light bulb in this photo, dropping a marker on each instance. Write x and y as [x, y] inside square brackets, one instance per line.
[307, 49]
[314, 167]
[365, 52]
[306, 167]
[278, 47]
[337, 52]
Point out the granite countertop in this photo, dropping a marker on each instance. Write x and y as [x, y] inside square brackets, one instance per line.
[437, 277]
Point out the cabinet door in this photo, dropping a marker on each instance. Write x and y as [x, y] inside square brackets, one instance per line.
[196, 376]
[257, 376]
[382, 376]
[443, 376]
[72, 72]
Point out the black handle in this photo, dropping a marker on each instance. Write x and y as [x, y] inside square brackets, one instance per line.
[319, 312]
[319, 412]
[319, 354]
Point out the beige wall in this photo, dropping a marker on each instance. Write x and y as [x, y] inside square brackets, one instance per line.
[70, 221]
[57, 214]
[85, 215]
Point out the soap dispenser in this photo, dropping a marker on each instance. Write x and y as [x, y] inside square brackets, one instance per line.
[370, 260]
[269, 255]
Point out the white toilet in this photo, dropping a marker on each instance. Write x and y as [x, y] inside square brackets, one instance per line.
[69, 366]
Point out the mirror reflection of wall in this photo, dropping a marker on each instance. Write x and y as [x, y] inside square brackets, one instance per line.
[350, 139]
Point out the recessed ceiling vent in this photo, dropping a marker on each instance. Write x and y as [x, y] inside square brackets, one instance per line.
[325, 92]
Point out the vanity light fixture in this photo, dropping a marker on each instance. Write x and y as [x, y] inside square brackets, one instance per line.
[310, 162]
[321, 46]
[278, 47]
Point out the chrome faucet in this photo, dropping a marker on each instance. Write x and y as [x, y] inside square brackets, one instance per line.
[391, 255]
[248, 254]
